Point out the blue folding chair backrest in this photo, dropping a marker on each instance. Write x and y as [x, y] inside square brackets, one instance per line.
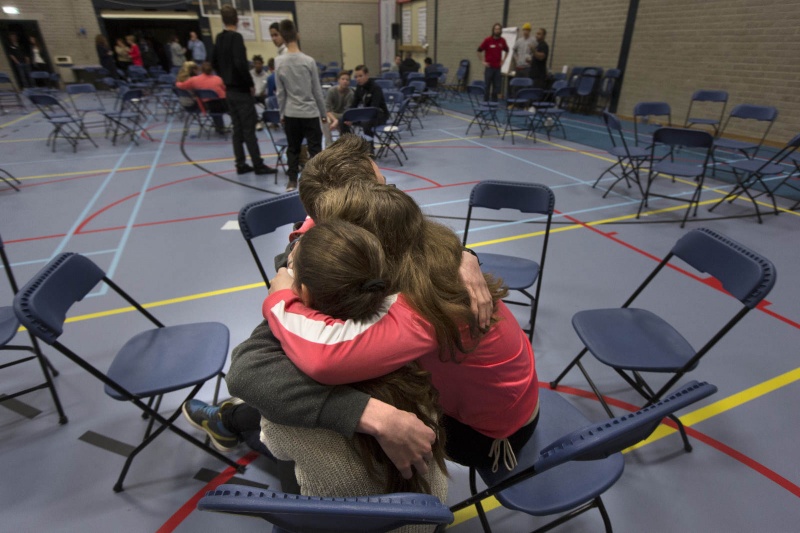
[50, 106]
[755, 112]
[747, 276]
[272, 116]
[526, 198]
[293, 513]
[415, 76]
[361, 115]
[265, 216]
[391, 75]
[704, 95]
[418, 85]
[599, 441]
[683, 137]
[384, 84]
[42, 308]
[646, 109]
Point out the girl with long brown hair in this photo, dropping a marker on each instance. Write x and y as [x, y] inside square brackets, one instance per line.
[340, 270]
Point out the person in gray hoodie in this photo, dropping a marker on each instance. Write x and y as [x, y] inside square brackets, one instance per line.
[300, 101]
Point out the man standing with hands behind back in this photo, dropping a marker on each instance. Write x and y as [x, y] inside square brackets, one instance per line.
[230, 62]
[494, 50]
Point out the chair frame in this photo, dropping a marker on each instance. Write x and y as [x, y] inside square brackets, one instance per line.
[9, 92]
[592, 442]
[9, 179]
[758, 113]
[45, 364]
[705, 95]
[748, 175]
[646, 110]
[129, 117]
[272, 117]
[629, 164]
[677, 138]
[693, 248]
[265, 216]
[69, 127]
[543, 202]
[50, 332]
[484, 114]
[389, 134]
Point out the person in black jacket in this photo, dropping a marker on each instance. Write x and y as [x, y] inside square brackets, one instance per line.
[368, 94]
[230, 63]
[407, 66]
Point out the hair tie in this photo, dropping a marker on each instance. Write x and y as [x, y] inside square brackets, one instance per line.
[373, 285]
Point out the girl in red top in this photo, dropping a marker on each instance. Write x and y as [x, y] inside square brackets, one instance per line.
[135, 53]
[486, 379]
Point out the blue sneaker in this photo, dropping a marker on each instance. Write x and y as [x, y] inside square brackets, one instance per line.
[207, 418]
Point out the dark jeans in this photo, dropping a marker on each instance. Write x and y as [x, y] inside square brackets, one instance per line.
[244, 421]
[241, 107]
[24, 72]
[470, 448]
[296, 130]
[493, 80]
[217, 108]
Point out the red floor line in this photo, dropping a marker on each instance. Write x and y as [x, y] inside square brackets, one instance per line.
[160, 222]
[411, 174]
[187, 508]
[706, 281]
[461, 184]
[121, 200]
[695, 434]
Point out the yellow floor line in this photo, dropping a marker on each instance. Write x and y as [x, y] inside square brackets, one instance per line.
[11, 123]
[726, 404]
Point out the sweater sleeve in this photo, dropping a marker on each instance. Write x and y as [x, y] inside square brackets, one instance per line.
[262, 376]
[316, 89]
[336, 351]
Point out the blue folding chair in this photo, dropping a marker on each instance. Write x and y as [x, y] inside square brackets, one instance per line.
[292, 513]
[569, 462]
[149, 365]
[516, 85]
[265, 216]
[361, 118]
[519, 118]
[9, 326]
[745, 114]
[608, 85]
[518, 273]
[632, 341]
[389, 135]
[9, 95]
[752, 173]
[678, 138]
[484, 115]
[384, 84]
[629, 158]
[644, 110]
[128, 118]
[65, 124]
[213, 116]
[272, 120]
[712, 97]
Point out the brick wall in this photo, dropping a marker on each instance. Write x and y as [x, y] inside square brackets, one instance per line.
[59, 22]
[589, 32]
[463, 24]
[749, 48]
[318, 22]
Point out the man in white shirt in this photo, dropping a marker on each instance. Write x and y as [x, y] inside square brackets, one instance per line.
[522, 52]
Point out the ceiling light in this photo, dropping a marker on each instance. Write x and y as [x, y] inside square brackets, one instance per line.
[10, 10]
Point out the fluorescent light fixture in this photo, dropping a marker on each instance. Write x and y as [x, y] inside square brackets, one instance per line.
[10, 10]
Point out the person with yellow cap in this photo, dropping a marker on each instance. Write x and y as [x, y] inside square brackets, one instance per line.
[522, 51]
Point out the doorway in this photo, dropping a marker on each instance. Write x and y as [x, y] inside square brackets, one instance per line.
[352, 38]
[24, 30]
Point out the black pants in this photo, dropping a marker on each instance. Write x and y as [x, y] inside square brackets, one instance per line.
[242, 108]
[298, 129]
[244, 421]
[468, 447]
[493, 80]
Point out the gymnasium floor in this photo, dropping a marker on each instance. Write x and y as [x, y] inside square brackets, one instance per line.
[165, 230]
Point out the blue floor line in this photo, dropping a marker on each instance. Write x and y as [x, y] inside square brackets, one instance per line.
[85, 212]
[135, 211]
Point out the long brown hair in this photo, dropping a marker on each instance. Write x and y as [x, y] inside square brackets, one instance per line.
[423, 256]
[341, 268]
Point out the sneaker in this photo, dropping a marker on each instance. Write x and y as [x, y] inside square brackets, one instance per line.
[292, 185]
[265, 169]
[259, 125]
[207, 418]
[244, 169]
